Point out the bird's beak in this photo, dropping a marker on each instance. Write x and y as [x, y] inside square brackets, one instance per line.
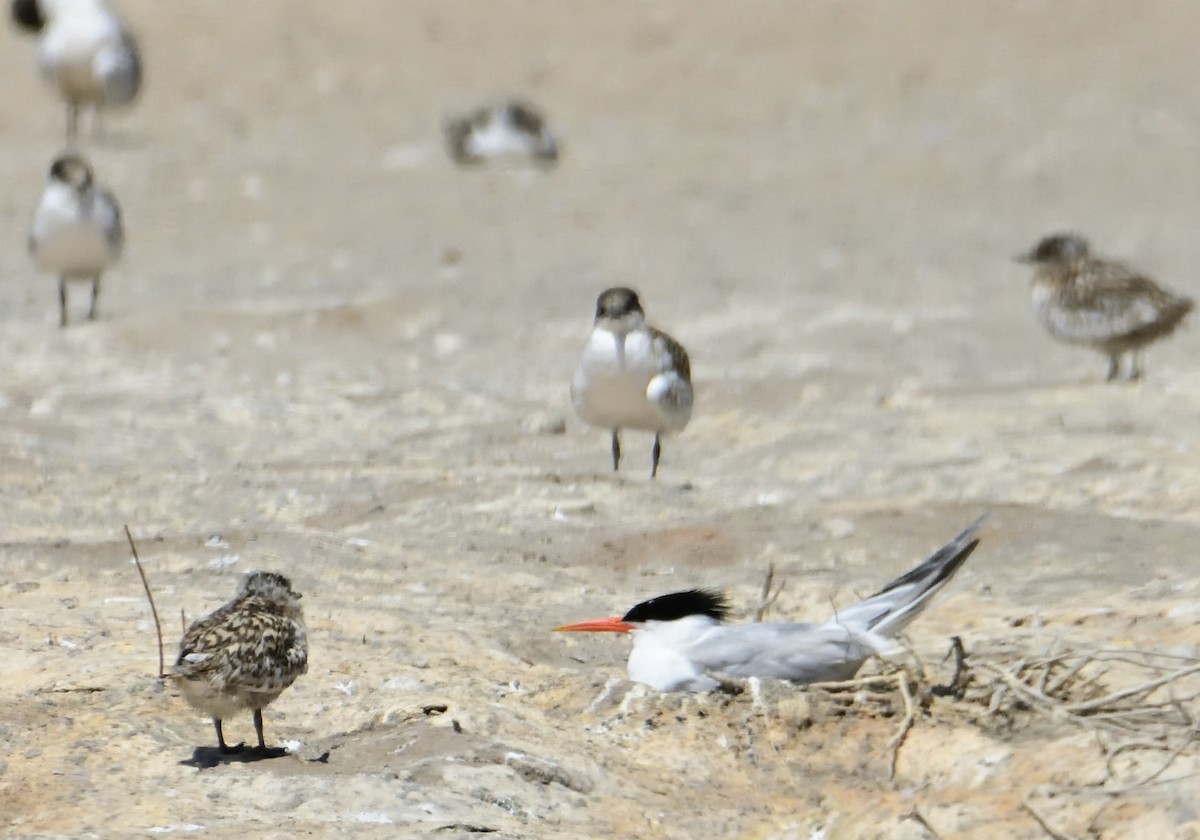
[1024, 258]
[597, 625]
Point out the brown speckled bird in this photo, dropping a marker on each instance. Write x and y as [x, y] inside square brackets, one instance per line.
[244, 654]
[1086, 300]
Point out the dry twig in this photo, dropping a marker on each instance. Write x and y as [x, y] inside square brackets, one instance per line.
[1041, 820]
[957, 687]
[914, 814]
[767, 598]
[898, 678]
[162, 674]
[897, 740]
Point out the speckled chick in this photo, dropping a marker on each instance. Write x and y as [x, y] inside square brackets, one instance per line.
[244, 654]
[1082, 299]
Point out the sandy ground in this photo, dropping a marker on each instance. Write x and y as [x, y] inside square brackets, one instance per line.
[330, 353]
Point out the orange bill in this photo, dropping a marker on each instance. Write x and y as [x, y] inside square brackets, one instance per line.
[597, 625]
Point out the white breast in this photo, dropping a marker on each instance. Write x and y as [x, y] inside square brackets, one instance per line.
[87, 54]
[627, 382]
[658, 657]
[499, 139]
[73, 235]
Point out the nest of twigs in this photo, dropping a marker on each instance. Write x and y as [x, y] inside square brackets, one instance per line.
[1135, 702]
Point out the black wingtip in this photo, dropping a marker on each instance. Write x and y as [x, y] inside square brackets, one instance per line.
[944, 562]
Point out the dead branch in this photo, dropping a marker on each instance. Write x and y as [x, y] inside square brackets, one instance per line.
[898, 678]
[1065, 678]
[162, 674]
[1041, 820]
[916, 815]
[767, 598]
[1144, 688]
[1143, 782]
[897, 740]
[957, 687]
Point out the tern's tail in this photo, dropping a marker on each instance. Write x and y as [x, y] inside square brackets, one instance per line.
[889, 611]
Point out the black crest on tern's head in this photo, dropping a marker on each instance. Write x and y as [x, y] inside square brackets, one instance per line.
[679, 605]
[72, 170]
[1058, 247]
[617, 302]
[28, 15]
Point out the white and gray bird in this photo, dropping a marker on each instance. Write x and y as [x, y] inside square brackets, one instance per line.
[76, 231]
[513, 129]
[680, 644]
[85, 51]
[631, 375]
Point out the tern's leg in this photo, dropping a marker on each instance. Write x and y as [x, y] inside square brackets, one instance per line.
[225, 748]
[72, 122]
[62, 301]
[95, 294]
[1135, 372]
[1113, 368]
[655, 453]
[616, 449]
[262, 744]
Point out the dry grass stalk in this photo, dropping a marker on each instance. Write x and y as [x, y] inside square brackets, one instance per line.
[162, 674]
[767, 598]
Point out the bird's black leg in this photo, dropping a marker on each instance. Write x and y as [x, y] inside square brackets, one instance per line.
[1113, 369]
[616, 449]
[655, 453]
[62, 301]
[1135, 371]
[225, 748]
[95, 294]
[72, 121]
[262, 744]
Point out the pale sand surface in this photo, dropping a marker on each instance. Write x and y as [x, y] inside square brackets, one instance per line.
[346, 357]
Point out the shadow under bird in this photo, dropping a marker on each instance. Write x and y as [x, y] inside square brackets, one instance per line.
[85, 51]
[511, 129]
[1082, 299]
[243, 655]
[76, 230]
[680, 644]
[631, 375]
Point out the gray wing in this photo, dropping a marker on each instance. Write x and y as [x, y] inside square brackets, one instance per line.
[673, 351]
[120, 69]
[802, 653]
[108, 212]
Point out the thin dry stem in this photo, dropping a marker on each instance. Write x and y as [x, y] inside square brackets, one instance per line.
[1041, 820]
[916, 815]
[768, 598]
[1144, 688]
[162, 674]
[910, 717]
